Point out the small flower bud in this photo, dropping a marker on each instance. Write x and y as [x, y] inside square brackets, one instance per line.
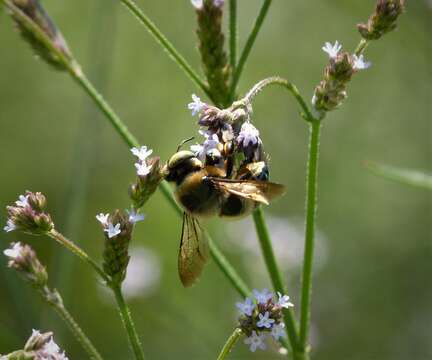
[383, 19]
[28, 215]
[37, 340]
[33, 10]
[118, 233]
[23, 259]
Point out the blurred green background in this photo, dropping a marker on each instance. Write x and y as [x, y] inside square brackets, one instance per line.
[372, 291]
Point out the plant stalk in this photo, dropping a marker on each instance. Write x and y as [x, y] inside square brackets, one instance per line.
[248, 47]
[233, 34]
[232, 340]
[311, 206]
[128, 323]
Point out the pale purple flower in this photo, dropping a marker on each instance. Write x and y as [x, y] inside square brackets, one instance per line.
[360, 63]
[22, 201]
[52, 351]
[211, 142]
[134, 216]
[218, 3]
[14, 252]
[249, 134]
[143, 169]
[10, 226]
[265, 321]
[263, 296]
[278, 331]
[255, 341]
[197, 4]
[141, 153]
[112, 230]
[103, 218]
[332, 50]
[247, 307]
[283, 301]
[196, 105]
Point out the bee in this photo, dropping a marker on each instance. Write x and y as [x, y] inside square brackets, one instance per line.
[203, 189]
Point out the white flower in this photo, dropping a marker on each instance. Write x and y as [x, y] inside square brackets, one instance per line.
[360, 63]
[143, 169]
[255, 341]
[278, 331]
[196, 105]
[22, 201]
[247, 307]
[332, 50]
[35, 332]
[103, 218]
[265, 321]
[284, 301]
[113, 230]
[197, 4]
[10, 226]
[134, 216]
[52, 351]
[262, 297]
[211, 142]
[141, 153]
[14, 252]
[249, 134]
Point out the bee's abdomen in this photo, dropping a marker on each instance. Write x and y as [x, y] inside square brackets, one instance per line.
[235, 206]
[197, 197]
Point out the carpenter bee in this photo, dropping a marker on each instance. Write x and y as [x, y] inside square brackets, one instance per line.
[203, 189]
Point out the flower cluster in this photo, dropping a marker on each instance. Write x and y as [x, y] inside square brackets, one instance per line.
[331, 91]
[229, 131]
[118, 233]
[28, 215]
[383, 19]
[23, 259]
[148, 176]
[33, 10]
[42, 346]
[262, 316]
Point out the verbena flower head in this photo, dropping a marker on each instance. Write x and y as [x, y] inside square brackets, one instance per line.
[332, 50]
[383, 19]
[42, 346]
[248, 136]
[148, 176]
[28, 215]
[118, 233]
[261, 316]
[23, 259]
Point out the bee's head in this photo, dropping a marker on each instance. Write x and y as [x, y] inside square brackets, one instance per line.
[181, 164]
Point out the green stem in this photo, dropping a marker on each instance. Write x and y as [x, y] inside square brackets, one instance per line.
[248, 47]
[62, 240]
[128, 322]
[361, 47]
[275, 274]
[233, 34]
[166, 44]
[276, 80]
[76, 330]
[232, 340]
[311, 205]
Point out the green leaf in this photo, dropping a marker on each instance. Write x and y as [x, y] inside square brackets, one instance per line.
[403, 176]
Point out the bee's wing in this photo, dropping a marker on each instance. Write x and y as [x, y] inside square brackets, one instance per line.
[194, 251]
[259, 191]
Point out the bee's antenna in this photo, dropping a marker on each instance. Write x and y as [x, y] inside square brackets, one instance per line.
[184, 142]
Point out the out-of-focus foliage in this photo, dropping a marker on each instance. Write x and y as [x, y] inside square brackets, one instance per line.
[371, 294]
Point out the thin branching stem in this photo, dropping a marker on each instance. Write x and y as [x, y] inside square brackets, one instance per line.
[248, 47]
[361, 47]
[276, 80]
[75, 249]
[275, 274]
[230, 343]
[167, 45]
[76, 330]
[311, 206]
[128, 323]
[233, 34]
